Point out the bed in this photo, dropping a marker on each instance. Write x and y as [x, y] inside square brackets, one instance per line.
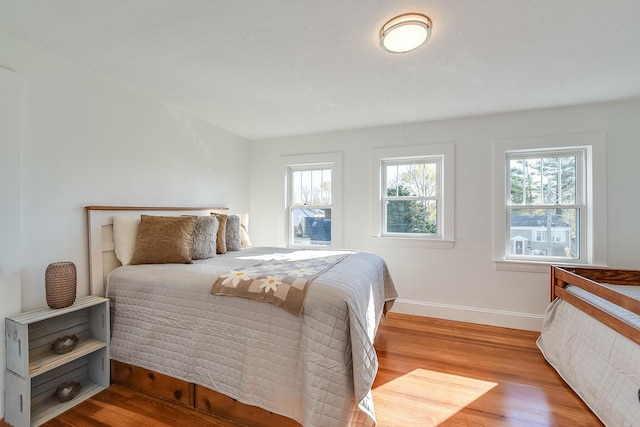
[591, 337]
[256, 362]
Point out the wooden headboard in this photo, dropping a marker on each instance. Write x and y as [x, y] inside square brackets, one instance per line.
[102, 256]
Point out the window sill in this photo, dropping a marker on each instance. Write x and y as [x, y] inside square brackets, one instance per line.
[534, 266]
[416, 242]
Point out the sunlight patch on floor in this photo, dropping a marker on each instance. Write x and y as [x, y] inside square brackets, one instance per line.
[428, 398]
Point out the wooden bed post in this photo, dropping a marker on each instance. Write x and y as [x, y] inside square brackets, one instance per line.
[552, 292]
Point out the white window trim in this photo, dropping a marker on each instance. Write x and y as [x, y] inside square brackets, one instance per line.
[446, 223]
[311, 160]
[595, 236]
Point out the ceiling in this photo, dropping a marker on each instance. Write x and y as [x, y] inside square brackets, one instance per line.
[267, 68]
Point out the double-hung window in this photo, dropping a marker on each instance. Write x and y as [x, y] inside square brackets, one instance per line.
[313, 199]
[411, 196]
[414, 196]
[545, 205]
[550, 201]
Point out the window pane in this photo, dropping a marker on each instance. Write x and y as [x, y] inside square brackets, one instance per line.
[544, 232]
[326, 187]
[306, 189]
[559, 180]
[550, 169]
[516, 181]
[429, 188]
[404, 181]
[546, 180]
[316, 185]
[567, 178]
[311, 187]
[413, 180]
[411, 216]
[296, 188]
[422, 179]
[391, 174]
[311, 226]
[532, 181]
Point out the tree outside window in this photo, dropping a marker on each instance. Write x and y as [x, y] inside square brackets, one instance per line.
[411, 196]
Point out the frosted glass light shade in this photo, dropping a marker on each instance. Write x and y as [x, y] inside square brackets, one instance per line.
[405, 33]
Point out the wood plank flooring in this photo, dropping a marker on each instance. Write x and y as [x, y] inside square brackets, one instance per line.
[436, 372]
[432, 373]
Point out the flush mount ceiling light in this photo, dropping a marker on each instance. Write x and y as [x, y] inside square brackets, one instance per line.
[405, 33]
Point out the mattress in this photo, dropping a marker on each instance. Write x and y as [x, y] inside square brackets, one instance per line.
[599, 364]
[317, 368]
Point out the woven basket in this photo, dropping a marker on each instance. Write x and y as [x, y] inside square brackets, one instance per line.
[60, 282]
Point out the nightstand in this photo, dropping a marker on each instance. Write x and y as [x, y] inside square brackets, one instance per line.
[34, 371]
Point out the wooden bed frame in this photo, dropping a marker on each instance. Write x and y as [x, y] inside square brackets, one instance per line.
[194, 396]
[591, 280]
[102, 261]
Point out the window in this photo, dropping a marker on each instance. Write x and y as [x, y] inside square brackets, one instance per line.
[560, 235]
[541, 236]
[411, 196]
[310, 205]
[545, 198]
[414, 196]
[550, 201]
[312, 196]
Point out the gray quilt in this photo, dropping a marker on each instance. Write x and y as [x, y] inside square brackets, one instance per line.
[317, 368]
[599, 364]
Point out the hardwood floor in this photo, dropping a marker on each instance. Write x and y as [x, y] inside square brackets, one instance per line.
[440, 373]
[432, 373]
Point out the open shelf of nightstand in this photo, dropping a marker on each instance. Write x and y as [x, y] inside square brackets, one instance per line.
[34, 371]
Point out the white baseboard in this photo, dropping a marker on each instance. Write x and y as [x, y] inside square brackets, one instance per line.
[505, 319]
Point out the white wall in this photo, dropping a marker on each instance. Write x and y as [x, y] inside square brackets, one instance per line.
[460, 283]
[89, 141]
[11, 90]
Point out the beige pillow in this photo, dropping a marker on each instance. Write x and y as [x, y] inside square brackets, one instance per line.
[221, 240]
[164, 239]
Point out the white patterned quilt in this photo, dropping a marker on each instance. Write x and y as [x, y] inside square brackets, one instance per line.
[317, 369]
[599, 364]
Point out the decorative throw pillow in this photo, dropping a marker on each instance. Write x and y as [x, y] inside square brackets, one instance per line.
[245, 241]
[221, 243]
[164, 239]
[204, 237]
[125, 232]
[232, 233]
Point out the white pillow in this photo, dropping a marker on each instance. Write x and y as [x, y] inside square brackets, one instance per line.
[125, 233]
